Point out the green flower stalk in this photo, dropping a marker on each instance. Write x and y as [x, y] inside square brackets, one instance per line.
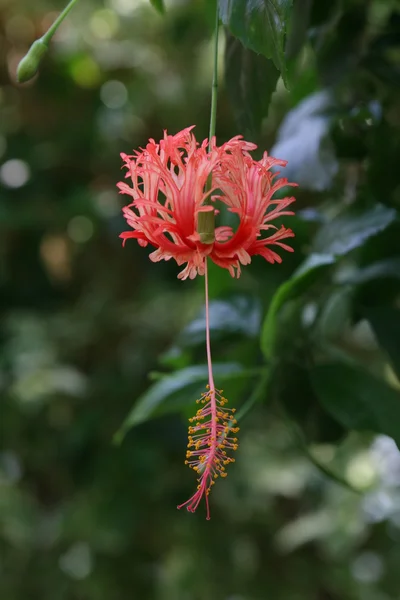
[29, 65]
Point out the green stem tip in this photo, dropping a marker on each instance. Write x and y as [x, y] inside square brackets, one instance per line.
[29, 65]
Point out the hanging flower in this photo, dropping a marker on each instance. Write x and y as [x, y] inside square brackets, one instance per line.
[175, 185]
[169, 194]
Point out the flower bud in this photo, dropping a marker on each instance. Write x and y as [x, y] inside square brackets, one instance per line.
[29, 65]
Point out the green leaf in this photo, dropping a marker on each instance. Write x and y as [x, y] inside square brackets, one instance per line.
[297, 284]
[304, 141]
[299, 404]
[388, 268]
[250, 81]
[158, 5]
[357, 400]
[299, 22]
[238, 315]
[385, 322]
[179, 390]
[340, 42]
[335, 315]
[260, 25]
[351, 229]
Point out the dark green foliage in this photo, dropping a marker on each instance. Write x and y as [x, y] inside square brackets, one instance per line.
[158, 5]
[98, 344]
[260, 25]
[250, 81]
[357, 399]
[385, 322]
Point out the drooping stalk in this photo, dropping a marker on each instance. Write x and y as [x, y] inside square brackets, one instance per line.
[213, 122]
[214, 86]
[53, 28]
[206, 220]
[210, 439]
[29, 64]
[210, 432]
[213, 401]
[208, 342]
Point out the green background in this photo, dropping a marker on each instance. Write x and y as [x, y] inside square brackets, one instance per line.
[308, 349]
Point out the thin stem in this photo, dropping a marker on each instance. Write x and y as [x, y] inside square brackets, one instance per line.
[213, 400]
[214, 87]
[206, 220]
[208, 344]
[53, 28]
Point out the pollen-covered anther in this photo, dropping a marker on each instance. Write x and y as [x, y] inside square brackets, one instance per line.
[210, 441]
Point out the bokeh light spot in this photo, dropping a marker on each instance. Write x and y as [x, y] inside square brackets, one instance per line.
[20, 29]
[114, 94]
[361, 471]
[104, 24]
[107, 203]
[80, 229]
[14, 173]
[54, 252]
[367, 567]
[86, 72]
[77, 562]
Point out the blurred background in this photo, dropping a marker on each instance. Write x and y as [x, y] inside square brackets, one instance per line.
[88, 328]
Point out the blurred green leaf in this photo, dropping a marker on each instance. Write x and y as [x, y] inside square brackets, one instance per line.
[304, 141]
[336, 312]
[357, 399]
[351, 229]
[260, 25]
[299, 404]
[382, 59]
[296, 285]
[176, 391]
[388, 268]
[382, 175]
[385, 322]
[299, 22]
[238, 315]
[340, 45]
[250, 81]
[159, 6]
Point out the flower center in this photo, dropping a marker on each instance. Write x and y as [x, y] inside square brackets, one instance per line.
[206, 227]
